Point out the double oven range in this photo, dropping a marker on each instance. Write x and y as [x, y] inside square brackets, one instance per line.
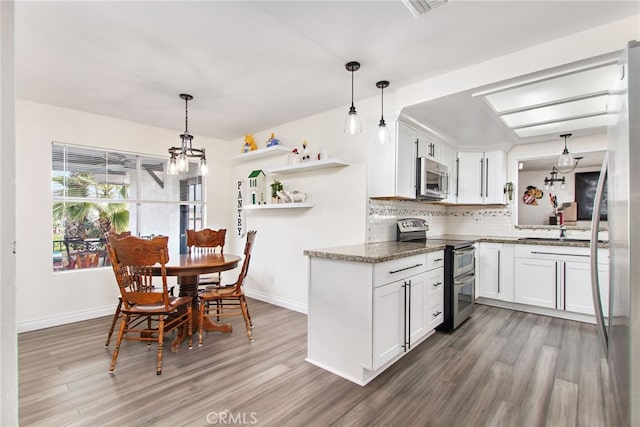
[459, 271]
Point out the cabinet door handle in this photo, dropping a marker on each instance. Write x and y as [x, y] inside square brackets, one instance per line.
[486, 178]
[498, 271]
[556, 254]
[457, 177]
[438, 259]
[409, 319]
[404, 269]
[436, 284]
[481, 175]
[556, 284]
[437, 313]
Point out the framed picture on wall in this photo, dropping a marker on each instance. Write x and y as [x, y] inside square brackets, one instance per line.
[586, 184]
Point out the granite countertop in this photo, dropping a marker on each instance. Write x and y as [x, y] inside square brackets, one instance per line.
[387, 251]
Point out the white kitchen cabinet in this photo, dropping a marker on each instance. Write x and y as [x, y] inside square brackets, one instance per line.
[578, 297]
[480, 177]
[428, 146]
[392, 167]
[362, 317]
[536, 282]
[495, 265]
[559, 278]
[448, 158]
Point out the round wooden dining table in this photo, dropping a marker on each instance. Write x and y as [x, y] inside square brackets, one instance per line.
[187, 267]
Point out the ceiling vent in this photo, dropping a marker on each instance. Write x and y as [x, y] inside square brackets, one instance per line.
[420, 7]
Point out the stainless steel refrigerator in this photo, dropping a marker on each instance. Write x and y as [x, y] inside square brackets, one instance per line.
[620, 332]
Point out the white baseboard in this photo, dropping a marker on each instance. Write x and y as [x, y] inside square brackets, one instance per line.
[538, 310]
[63, 319]
[280, 302]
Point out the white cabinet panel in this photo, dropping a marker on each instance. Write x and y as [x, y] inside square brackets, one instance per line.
[416, 315]
[480, 177]
[536, 282]
[577, 287]
[388, 322]
[496, 271]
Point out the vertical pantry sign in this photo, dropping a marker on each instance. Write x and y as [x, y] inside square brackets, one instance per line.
[241, 219]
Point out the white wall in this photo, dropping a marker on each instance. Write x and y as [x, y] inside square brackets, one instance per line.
[81, 294]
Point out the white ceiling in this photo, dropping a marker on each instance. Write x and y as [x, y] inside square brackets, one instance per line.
[252, 65]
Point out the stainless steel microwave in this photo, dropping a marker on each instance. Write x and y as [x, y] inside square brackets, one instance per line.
[432, 179]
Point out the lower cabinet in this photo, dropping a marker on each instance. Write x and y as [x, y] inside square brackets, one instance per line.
[362, 317]
[559, 278]
[495, 265]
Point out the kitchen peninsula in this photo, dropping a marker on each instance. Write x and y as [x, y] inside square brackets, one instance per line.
[370, 304]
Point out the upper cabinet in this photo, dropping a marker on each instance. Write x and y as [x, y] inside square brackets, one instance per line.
[392, 167]
[480, 177]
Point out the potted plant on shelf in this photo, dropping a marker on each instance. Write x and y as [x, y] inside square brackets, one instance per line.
[275, 187]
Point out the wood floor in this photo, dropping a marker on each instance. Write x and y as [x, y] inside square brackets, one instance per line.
[500, 368]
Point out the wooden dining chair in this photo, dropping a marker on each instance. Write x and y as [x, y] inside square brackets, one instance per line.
[228, 300]
[207, 241]
[147, 311]
[116, 315]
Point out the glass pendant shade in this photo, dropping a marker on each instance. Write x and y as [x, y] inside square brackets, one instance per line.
[352, 122]
[566, 159]
[382, 133]
[204, 169]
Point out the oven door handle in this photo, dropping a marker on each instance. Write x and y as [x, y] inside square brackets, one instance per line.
[461, 281]
[464, 251]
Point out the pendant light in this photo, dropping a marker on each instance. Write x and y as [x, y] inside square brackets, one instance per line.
[179, 156]
[352, 124]
[382, 134]
[566, 159]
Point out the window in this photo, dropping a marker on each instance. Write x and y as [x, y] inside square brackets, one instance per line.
[95, 191]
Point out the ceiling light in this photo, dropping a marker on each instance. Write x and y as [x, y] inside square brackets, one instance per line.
[548, 182]
[179, 156]
[382, 135]
[420, 7]
[352, 124]
[566, 163]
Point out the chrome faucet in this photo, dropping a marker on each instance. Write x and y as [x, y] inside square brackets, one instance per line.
[563, 232]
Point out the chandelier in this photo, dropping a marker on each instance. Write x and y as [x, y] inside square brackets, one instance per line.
[179, 156]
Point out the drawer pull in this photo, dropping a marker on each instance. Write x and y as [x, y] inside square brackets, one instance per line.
[435, 285]
[404, 269]
[437, 313]
[438, 259]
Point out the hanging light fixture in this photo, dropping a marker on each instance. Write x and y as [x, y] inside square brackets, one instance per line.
[179, 156]
[565, 161]
[548, 182]
[382, 135]
[352, 124]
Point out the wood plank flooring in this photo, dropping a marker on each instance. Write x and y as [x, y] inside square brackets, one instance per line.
[500, 368]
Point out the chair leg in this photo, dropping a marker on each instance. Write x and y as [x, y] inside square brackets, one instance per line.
[113, 321]
[114, 358]
[246, 306]
[190, 325]
[201, 311]
[160, 342]
[245, 314]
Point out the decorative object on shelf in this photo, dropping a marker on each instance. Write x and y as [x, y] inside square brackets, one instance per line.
[275, 187]
[566, 162]
[283, 196]
[294, 157]
[531, 195]
[322, 155]
[352, 124]
[257, 186]
[249, 144]
[179, 156]
[382, 134]
[297, 196]
[508, 190]
[305, 152]
[272, 140]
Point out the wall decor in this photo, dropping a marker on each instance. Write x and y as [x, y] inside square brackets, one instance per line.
[585, 191]
[241, 221]
[531, 195]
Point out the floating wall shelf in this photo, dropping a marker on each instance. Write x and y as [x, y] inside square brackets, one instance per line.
[277, 206]
[308, 165]
[261, 153]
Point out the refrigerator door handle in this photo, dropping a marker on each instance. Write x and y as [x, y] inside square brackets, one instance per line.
[595, 284]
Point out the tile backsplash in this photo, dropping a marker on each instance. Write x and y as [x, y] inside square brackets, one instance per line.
[455, 220]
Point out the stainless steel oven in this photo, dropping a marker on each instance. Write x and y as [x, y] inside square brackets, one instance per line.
[459, 283]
